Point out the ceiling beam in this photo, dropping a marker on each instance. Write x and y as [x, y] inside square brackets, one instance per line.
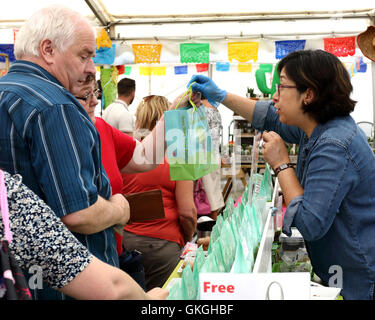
[240, 17]
[99, 12]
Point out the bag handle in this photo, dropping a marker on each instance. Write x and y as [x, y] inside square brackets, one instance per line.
[4, 208]
[189, 92]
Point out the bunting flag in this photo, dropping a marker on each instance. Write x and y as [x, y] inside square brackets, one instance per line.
[181, 70]
[244, 67]
[105, 55]
[152, 71]
[340, 47]
[147, 53]
[288, 46]
[109, 79]
[243, 51]
[15, 31]
[102, 39]
[120, 69]
[128, 70]
[194, 52]
[361, 66]
[202, 67]
[9, 50]
[222, 66]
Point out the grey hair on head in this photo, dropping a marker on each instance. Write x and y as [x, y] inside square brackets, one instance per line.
[56, 23]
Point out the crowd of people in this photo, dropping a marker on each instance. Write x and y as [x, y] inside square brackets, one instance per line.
[66, 170]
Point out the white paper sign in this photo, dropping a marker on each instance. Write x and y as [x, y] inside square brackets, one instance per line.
[255, 286]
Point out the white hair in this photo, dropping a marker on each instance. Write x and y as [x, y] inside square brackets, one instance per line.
[56, 23]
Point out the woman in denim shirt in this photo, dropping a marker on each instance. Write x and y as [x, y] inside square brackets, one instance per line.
[330, 197]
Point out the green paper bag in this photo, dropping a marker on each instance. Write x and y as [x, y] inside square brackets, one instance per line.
[190, 150]
[215, 234]
[267, 184]
[188, 286]
[199, 259]
[217, 252]
[175, 292]
[240, 264]
[228, 245]
[252, 225]
[210, 264]
[247, 244]
[219, 222]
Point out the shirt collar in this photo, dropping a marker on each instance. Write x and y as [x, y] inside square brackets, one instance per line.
[122, 102]
[32, 69]
[314, 136]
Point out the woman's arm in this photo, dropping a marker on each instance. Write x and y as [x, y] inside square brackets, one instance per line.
[276, 154]
[100, 281]
[186, 208]
[149, 153]
[41, 239]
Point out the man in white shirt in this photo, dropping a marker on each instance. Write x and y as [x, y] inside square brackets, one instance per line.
[117, 114]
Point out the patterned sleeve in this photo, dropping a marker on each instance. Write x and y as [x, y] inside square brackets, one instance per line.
[40, 238]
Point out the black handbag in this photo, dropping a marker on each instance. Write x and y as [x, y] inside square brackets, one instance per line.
[13, 285]
[131, 263]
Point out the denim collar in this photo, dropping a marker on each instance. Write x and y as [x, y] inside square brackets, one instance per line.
[314, 137]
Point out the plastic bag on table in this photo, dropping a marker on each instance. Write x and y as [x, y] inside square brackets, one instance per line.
[217, 252]
[175, 292]
[228, 245]
[247, 244]
[210, 264]
[240, 264]
[254, 188]
[260, 209]
[188, 285]
[219, 222]
[229, 208]
[267, 184]
[252, 226]
[234, 226]
[209, 250]
[215, 234]
[199, 259]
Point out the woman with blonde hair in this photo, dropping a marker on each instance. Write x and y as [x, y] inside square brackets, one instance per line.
[148, 114]
[161, 240]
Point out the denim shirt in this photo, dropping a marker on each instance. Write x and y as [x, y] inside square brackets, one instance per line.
[336, 213]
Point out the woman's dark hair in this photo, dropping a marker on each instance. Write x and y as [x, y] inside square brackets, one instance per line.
[325, 74]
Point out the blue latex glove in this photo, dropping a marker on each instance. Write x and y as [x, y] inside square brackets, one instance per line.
[208, 88]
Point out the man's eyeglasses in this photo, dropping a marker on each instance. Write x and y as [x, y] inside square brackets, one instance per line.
[90, 95]
[281, 86]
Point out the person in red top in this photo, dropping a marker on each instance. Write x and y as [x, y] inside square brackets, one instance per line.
[161, 240]
[120, 152]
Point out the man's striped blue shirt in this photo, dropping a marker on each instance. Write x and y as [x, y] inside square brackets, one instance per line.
[48, 138]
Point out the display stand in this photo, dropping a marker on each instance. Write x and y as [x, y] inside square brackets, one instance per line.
[259, 283]
[262, 284]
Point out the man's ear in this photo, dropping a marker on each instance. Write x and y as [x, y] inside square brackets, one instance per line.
[47, 51]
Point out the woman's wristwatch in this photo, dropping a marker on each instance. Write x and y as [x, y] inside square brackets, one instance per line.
[283, 167]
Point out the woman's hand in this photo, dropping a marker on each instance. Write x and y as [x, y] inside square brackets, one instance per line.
[195, 97]
[275, 152]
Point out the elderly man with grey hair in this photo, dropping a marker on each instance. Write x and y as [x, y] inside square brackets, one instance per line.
[47, 137]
